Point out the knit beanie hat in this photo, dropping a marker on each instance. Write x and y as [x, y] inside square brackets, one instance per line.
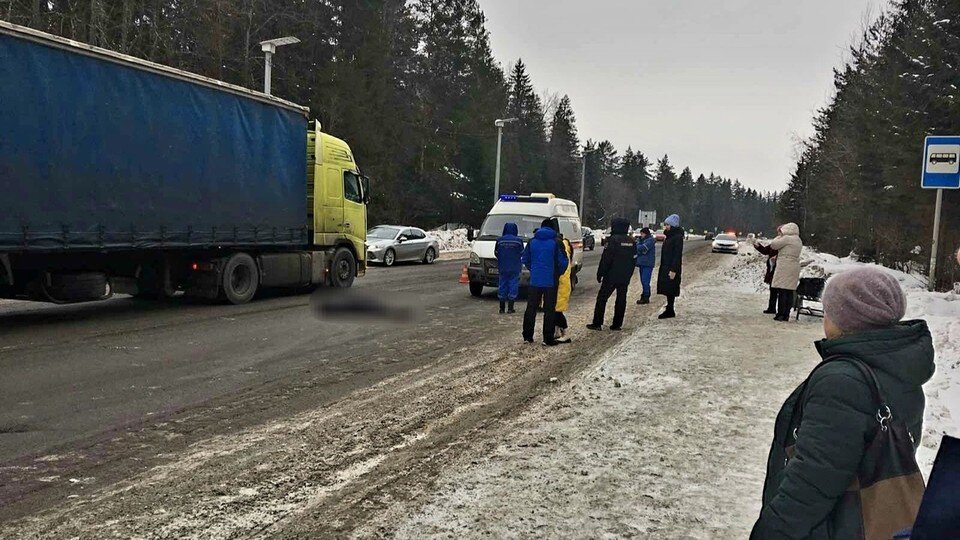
[672, 220]
[864, 299]
[619, 225]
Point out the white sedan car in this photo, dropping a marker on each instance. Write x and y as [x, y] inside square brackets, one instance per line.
[726, 243]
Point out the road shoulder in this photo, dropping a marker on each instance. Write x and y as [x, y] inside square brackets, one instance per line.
[665, 437]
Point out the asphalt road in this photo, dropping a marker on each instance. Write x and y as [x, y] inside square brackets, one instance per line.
[92, 381]
[70, 372]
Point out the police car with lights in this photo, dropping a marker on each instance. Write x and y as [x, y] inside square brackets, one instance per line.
[528, 212]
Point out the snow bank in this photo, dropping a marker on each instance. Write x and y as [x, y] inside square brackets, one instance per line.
[747, 271]
[940, 310]
[825, 265]
[942, 313]
[455, 240]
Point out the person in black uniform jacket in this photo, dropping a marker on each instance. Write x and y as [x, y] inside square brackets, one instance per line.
[671, 265]
[615, 273]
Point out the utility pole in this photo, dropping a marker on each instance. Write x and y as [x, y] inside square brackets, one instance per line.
[583, 177]
[496, 182]
[269, 48]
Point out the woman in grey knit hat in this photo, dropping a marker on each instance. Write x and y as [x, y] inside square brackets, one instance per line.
[806, 493]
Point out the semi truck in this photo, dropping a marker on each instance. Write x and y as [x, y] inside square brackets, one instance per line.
[123, 176]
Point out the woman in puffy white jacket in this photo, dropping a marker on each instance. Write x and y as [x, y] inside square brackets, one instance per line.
[786, 278]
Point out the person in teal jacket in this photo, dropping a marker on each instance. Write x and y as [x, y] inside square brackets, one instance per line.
[646, 261]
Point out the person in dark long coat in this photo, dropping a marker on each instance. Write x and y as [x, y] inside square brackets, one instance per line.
[671, 265]
[768, 275]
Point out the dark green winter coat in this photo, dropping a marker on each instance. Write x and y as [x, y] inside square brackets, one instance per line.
[800, 498]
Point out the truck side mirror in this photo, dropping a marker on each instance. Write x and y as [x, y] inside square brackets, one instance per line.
[470, 235]
[365, 186]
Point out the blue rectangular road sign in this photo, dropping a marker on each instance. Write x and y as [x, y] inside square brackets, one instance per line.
[941, 163]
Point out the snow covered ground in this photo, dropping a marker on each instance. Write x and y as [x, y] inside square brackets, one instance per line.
[666, 437]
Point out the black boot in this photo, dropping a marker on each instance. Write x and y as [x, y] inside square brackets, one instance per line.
[502, 304]
[643, 300]
[510, 307]
[667, 314]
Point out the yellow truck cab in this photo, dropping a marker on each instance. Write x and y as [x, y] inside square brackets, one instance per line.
[337, 203]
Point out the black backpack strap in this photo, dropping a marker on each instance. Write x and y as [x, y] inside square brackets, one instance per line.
[883, 409]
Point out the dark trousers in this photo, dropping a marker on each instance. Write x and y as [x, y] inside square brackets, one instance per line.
[619, 308]
[536, 295]
[560, 320]
[670, 301]
[784, 302]
[772, 304]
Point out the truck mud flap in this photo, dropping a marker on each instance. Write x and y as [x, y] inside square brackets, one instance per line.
[6, 272]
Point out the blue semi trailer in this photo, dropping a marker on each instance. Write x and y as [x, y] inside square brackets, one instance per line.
[118, 175]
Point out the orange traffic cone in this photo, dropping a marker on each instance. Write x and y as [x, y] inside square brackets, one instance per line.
[464, 277]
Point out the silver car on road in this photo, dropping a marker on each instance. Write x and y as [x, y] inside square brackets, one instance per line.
[388, 244]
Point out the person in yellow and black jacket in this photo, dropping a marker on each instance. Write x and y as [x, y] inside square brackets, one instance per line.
[564, 286]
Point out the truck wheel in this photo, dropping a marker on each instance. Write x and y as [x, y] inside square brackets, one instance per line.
[240, 279]
[476, 289]
[344, 268]
[430, 256]
[389, 257]
[82, 287]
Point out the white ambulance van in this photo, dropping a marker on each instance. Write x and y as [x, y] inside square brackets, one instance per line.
[527, 212]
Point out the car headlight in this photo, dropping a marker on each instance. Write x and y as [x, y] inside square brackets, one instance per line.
[474, 259]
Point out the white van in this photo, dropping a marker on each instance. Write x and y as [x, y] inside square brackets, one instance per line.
[527, 212]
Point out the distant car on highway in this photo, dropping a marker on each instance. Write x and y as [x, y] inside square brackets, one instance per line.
[726, 243]
[604, 236]
[389, 244]
[589, 241]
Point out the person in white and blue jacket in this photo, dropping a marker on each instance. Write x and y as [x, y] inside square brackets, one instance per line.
[646, 261]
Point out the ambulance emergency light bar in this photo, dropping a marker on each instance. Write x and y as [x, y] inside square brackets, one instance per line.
[535, 198]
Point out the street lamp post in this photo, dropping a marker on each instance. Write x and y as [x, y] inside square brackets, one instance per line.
[269, 48]
[496, 183]
[583, 177]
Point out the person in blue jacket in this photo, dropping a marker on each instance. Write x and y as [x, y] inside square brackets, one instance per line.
[646, 261]
[547, 261]
[508, 250]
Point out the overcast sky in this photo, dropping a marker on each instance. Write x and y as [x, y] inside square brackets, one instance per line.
[719, 85]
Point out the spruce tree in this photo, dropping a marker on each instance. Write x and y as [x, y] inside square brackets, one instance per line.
[563, 155]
